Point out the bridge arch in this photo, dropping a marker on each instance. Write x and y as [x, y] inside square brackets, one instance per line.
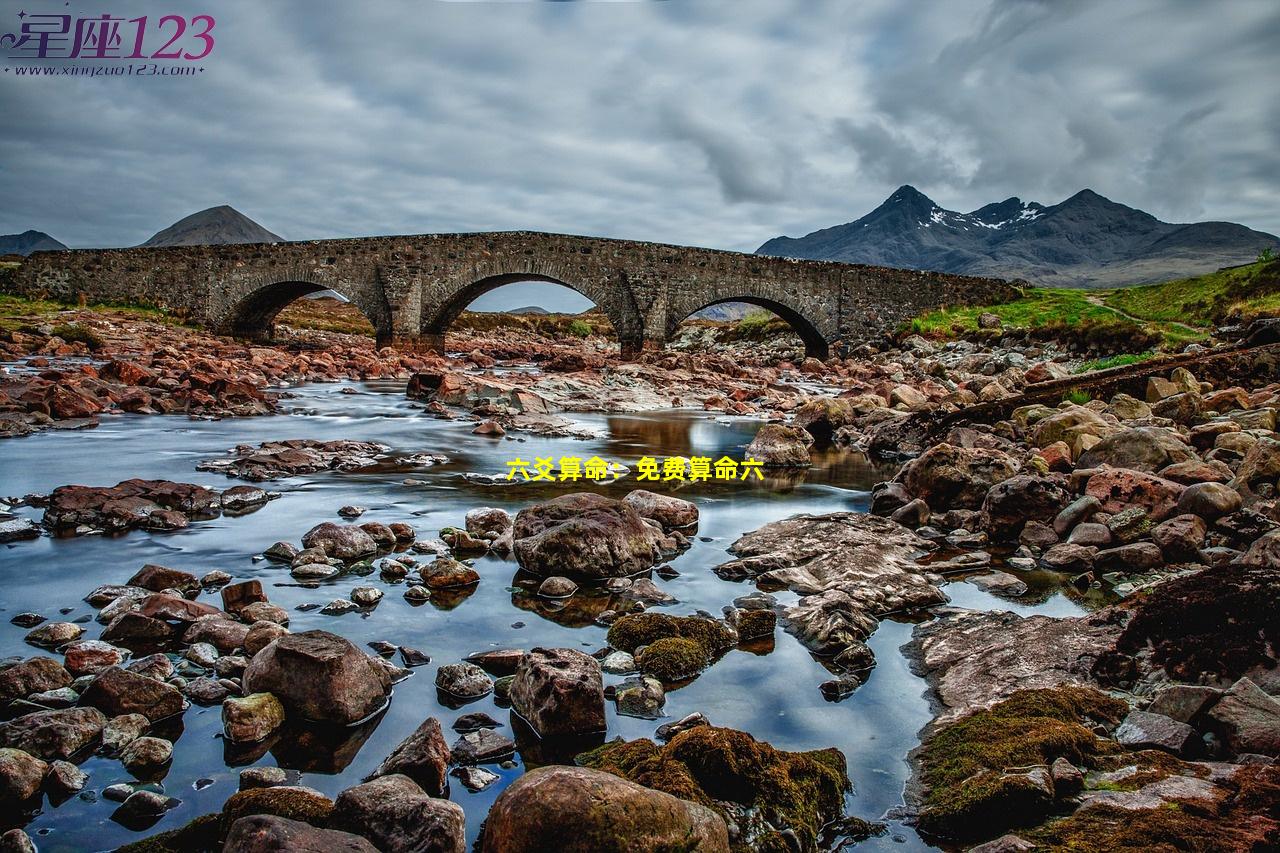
[816, 341]
[626, 322]
[252, 313]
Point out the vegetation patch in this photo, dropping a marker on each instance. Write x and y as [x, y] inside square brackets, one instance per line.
[1239, 294]
[641, 629]
[1222, 622]
[1244, 819]
[672, 659]
[763, 790]
[962, 765]
[1121, 360]
[72, 333]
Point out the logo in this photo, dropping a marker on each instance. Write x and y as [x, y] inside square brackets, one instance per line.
[107, 45]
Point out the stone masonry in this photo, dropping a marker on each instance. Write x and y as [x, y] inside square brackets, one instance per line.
[411, 288]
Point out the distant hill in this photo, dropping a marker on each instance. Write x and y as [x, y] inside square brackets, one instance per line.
[1085, 241]
[528, 309]
[28, 242]
[217, 226]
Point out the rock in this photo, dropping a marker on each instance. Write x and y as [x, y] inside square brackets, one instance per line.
[399, 817]
[161, 578]
[1007, 843]
[1077, 512]
[120, 731]
[34, 675]
[557, 587]
[1010, 503]
[270, 834]
[559, 692]
[1249, 719]
[116, 691]
[238, 596]
[18, 530]
[341, 541]
[16, 841]
[640, 697]
[1180, 538]
[482, 746]
[464, 681]
[667, 731]
[64, 778]
[20, 775]
[1184, 702]
[1069, 558]
[474, 779]
[447, 573]
[1145, 449]
[225, 635]
[142, 807]
[206, 691]
[59, 733]
[339, 606]
[217, 577]
[1121, 488]
[1145, 730]
[1180, 408]
[423, 757]
[584, 535]
[490, 428]
[779, 446]
[1210, 501]
[1000, 583]
[319, 676]
[1090, 534]
[54, 634]
[382, 535]
[956, 477]
[1068, 424]
[366, 596]
[252, 718]
[1129, 525]
[618, 663]
[267, 776]
[577, 810]
[1038, 534]
[203, 655]
[1131, 559]
[671, 512]
[144, 755]
[262, 634]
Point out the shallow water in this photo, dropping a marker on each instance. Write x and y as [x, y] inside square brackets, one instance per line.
[773, 695]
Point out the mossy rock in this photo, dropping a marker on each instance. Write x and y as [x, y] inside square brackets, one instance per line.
[642, 629]
[801, 791]
[1244, 818]
[202, 835]
[294, 803]
[672, 659]
[969, 797]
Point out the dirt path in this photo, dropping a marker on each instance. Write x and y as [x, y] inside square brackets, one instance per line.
[1094, 299]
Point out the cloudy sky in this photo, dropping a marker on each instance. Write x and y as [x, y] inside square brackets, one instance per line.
[706, 122]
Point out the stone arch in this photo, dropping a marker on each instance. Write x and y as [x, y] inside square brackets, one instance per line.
[625, 319]
[816, 342]
[253, 314]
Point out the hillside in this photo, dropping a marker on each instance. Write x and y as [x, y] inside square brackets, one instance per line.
[28, 242]
[1085, 241]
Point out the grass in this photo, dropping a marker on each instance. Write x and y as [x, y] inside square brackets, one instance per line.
[1077, 396]
[1121, 360]
[1238, 294]
[17, 312]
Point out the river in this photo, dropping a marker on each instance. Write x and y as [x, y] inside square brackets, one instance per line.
[772, 695]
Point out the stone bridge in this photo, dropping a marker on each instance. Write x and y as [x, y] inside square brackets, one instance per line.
[411, 288]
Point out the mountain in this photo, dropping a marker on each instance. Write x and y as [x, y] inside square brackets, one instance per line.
[28, 242]
[216, 226]
[1086, 241]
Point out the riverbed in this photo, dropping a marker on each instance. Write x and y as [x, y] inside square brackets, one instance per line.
[771, 693]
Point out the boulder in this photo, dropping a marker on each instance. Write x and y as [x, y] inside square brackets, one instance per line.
[59, 733]
[399, 817]
[160, 578]
[319, 676]
[1249, 719]
[464, 681]
[671, 512]
[341, 541]
[780, 446]
[252, 718]
[1210, 501]
[89, 657]
[584, 535]
[33, 675]
[948, 477]
[1010, 503]
[1142, 449]
[577, 810]
[559, 692]
[423, 757]
[20, 775]
[1180, 537]
[117, 691]
[1069, 424]
[1121, 488]
[1145, 730]
[262, 833]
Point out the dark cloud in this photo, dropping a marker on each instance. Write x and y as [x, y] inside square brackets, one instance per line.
[713, 122]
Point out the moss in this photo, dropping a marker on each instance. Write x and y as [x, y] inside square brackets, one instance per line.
[78, 334]
[961, 765]
[293, 803]
[672, 659]
[1221, 622]
[199, 836]
[1245, 818]
[641, 629]
[1147, 766]
[801, 791]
